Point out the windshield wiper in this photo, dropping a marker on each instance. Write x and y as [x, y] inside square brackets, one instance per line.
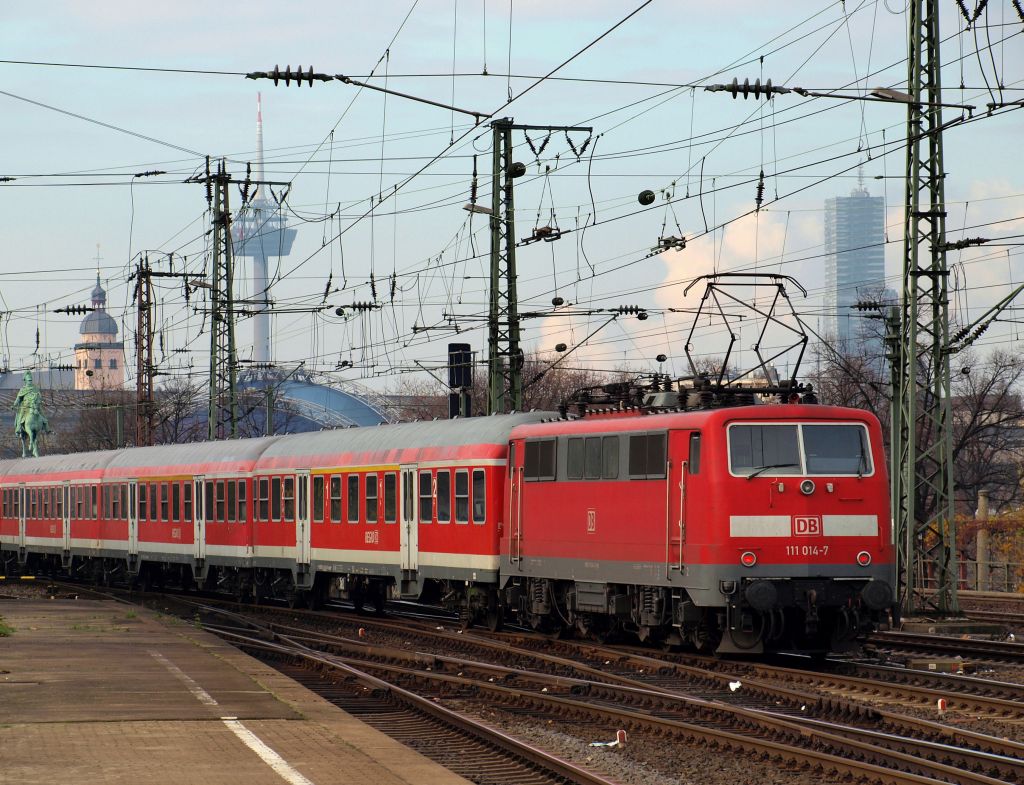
[756, 472]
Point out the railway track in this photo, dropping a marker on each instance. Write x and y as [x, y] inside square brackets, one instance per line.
[782, 714]
[944, 645]
[764, 727]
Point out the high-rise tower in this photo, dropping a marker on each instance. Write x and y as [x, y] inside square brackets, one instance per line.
[854, 264]
[259, 231]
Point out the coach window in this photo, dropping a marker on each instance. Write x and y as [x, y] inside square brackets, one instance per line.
[426, 497]
[142, 501]
[264, 499]
[188, 500]
[209, 516]
[275, 498]
[694, 461]
[46, 502]
[390, 497]
[539, 460]
[574, 459]
[94, 497]
[219, 486]
[353, 498]
[232, 510]
[153, 510]
[318, 498]
[32, 502]
[243, 507]
[336, 498]
[164, 502]
[289, 498]
[462, 496]
[112, 502]
[176, 501]
[479, 496]
[106, 502]
[444, 496]
[371, 498]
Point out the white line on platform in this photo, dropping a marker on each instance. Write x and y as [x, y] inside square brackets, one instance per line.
[271, 758]
[280, 766]
[200, 694]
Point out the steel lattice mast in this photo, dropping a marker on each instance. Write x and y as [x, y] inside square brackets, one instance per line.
[923, 505]
[144, 369]
[222, 419]
[504, 357]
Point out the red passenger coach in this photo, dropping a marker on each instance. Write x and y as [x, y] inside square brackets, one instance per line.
[405, 510]
[733, 529]
[405, 506]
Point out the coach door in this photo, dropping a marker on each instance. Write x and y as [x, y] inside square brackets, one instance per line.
[199, 523]
[65, 515]
[133, 516]
[515, 508]
[409, 534]
[21, 518]
[302, 519]
[680, 476]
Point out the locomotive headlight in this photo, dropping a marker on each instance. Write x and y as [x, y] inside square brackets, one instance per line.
[863, 558]
[807, 487]
[748, 558]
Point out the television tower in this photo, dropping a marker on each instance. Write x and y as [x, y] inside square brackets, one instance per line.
[260, 232]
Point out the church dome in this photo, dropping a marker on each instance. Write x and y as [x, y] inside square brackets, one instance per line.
[98, 323]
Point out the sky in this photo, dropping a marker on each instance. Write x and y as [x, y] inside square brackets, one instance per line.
[375, 184]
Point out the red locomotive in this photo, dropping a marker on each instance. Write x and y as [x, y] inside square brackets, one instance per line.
[745, 528]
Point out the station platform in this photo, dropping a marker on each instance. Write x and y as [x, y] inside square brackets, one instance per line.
[98, 692]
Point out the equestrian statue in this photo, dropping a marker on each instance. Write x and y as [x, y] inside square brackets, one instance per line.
[29, 421]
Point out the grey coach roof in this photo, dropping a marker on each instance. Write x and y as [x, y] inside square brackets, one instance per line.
[228, 453]
[435, 433]
[58, 464]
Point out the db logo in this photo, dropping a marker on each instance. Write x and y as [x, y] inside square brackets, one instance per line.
[591, 521]
[806, 526]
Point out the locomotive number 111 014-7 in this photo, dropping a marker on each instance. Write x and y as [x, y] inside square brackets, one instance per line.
[807, 550]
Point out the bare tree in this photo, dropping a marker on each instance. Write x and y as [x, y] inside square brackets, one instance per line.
[180, 412]
[988, 428]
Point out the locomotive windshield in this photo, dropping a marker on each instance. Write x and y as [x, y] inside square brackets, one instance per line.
[792, 449]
